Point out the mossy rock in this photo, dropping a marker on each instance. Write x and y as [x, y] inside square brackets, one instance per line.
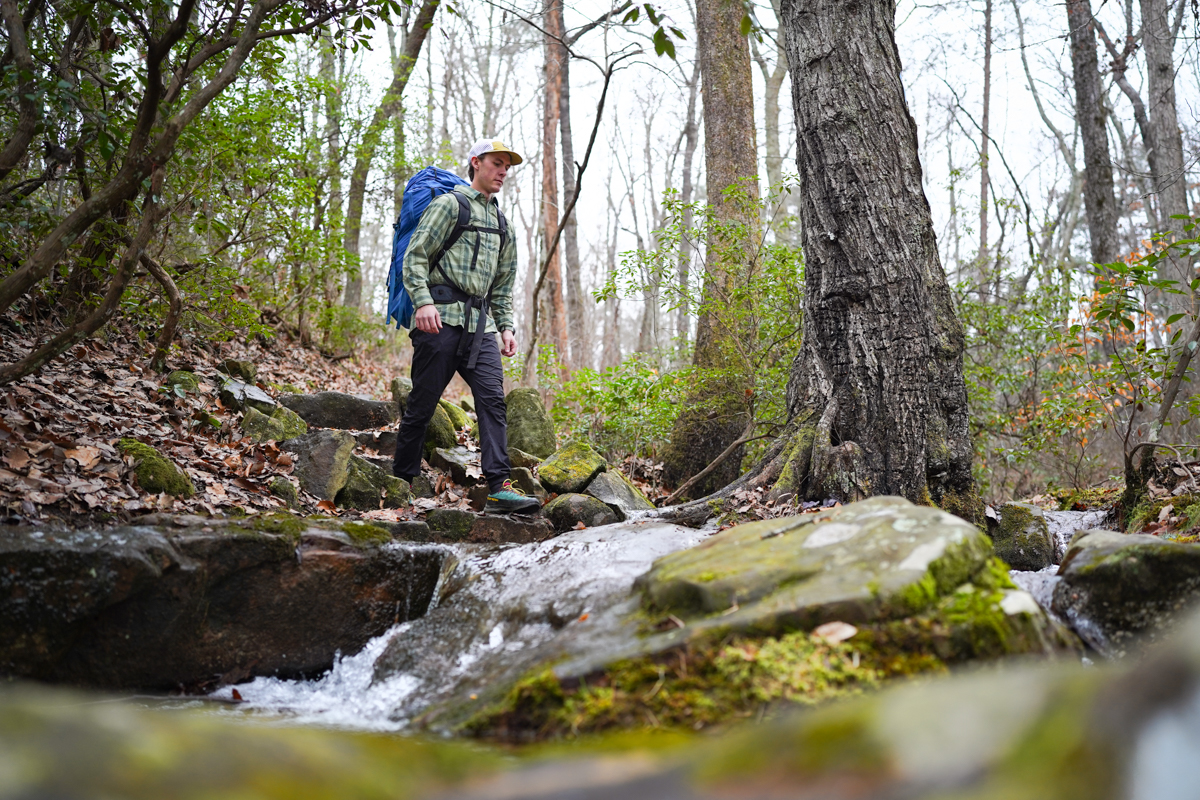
[368, 488]
[524, 480]
[155, 473]
[366, 534]
[1022, 538]
[440, 432]
[450, 524]
[244, 371]
[572, 468]
[529, 425]
[567, 511]
[285, 525]
[458, 417]
[238, 396]
[184, 380]
[467, 404]
[282, 424]
[322, 461]
[282, 488]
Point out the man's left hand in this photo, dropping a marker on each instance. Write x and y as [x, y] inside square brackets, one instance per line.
[508, 343]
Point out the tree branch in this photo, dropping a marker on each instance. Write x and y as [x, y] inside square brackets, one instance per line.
[159, 360]
[16, 147]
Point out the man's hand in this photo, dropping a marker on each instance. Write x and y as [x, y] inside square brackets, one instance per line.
[508, 343]
[428, 319]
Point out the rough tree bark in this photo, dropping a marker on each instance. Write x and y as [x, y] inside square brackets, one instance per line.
[553, 313]
[876, 397]
[578, 327]
[715, 415]
[1158, 41]
[1098, 198]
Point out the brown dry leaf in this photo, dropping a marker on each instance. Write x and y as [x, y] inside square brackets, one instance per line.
[17, 459]
[86, 456]
[327, 506]
[579, 526]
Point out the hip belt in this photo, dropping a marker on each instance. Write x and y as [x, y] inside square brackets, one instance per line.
[445, 293]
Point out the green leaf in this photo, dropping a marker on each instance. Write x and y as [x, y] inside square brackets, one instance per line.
[747, 25]
[1171, 320]
[1128, 323]
[633, 14]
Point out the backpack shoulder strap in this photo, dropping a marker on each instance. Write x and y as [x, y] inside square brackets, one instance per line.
[460, 225]
[503, 228]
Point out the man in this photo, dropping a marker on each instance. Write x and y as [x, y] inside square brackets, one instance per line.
[453, 331]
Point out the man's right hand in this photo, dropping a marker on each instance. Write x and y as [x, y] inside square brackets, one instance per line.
[428, 319]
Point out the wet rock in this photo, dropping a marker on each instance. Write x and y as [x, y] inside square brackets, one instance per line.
[408, 530]
[1120, 591]
[572, 468]
[520, 458]
[440, 432]
[368, 488]
[497, 529]
[187, 381]
[421, 487]
[615, 491]
[342, 411]
[239, 396]
[523, 479]
[161, 608]
[450, 524]
[244, 371]
[155, 473]
[461, 463]
[282, 424]
[458, 417]
[322, 461]
[282, 488]
[382, 442]
[529, 425]
[1021, 537]
[401, 388]
[567, 511]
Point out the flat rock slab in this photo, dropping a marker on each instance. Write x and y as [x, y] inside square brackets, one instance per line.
[169, 607]
[615, 491]
[877, 559]
[239, 396]
[449, 525]
[338, 410]
[1119, 591]
[461, 463]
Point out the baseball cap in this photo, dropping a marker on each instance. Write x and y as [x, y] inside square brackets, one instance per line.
[484, 146]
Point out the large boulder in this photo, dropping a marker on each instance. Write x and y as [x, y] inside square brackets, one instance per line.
[1022, 537]
[156, 474]
[572, 468]
[281, 424]
[529, 425]
[615, 491]
[238, 396]
[569, 511]
[170, 607]
[368, 488]
[322, 460]
[338, 410]
[1119, 591]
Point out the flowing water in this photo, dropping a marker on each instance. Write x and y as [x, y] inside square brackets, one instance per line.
[1063, 525]
[498, 610]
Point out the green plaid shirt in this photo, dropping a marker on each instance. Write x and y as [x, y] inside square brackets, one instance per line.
[493, 269]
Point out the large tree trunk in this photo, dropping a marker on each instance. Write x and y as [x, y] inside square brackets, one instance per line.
[876, 396]
[691, 137]
[1098, 198]
[552, 312]
[716, 414]
[578, 329]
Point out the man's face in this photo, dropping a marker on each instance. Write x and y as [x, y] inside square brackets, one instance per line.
[490, 171]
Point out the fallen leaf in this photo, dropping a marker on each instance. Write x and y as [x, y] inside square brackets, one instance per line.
[86, 456]
[17, 459]
[328, 506]
[579, 526]
[834, 632]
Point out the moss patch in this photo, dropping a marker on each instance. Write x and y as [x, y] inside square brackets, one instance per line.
[458, 417]
[1148, 509]
[277, 524]
[155, 473]
[364, 533]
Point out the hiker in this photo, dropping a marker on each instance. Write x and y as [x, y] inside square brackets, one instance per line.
[452, 329]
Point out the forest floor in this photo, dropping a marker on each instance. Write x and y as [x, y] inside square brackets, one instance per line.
[59, 429]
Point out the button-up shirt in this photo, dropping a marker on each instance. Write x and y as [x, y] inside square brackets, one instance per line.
[494, 270]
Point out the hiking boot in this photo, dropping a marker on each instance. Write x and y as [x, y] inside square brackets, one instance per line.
[510, 500]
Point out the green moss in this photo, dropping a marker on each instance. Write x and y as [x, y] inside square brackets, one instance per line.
[915, 597]
[277, 524]
[184, 380]
[964, 505]
[796, 463]
[704, 683]
[1148, 509]
[1084, 499]
[155, 473]
[282, 488]
[458, 417]
[572, 468]
[364, 533]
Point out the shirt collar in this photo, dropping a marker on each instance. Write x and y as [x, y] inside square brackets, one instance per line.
[475, 194]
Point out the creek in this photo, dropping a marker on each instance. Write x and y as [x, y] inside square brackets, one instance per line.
[497, 610]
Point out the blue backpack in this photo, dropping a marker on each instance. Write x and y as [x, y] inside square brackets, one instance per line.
[419, 192]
